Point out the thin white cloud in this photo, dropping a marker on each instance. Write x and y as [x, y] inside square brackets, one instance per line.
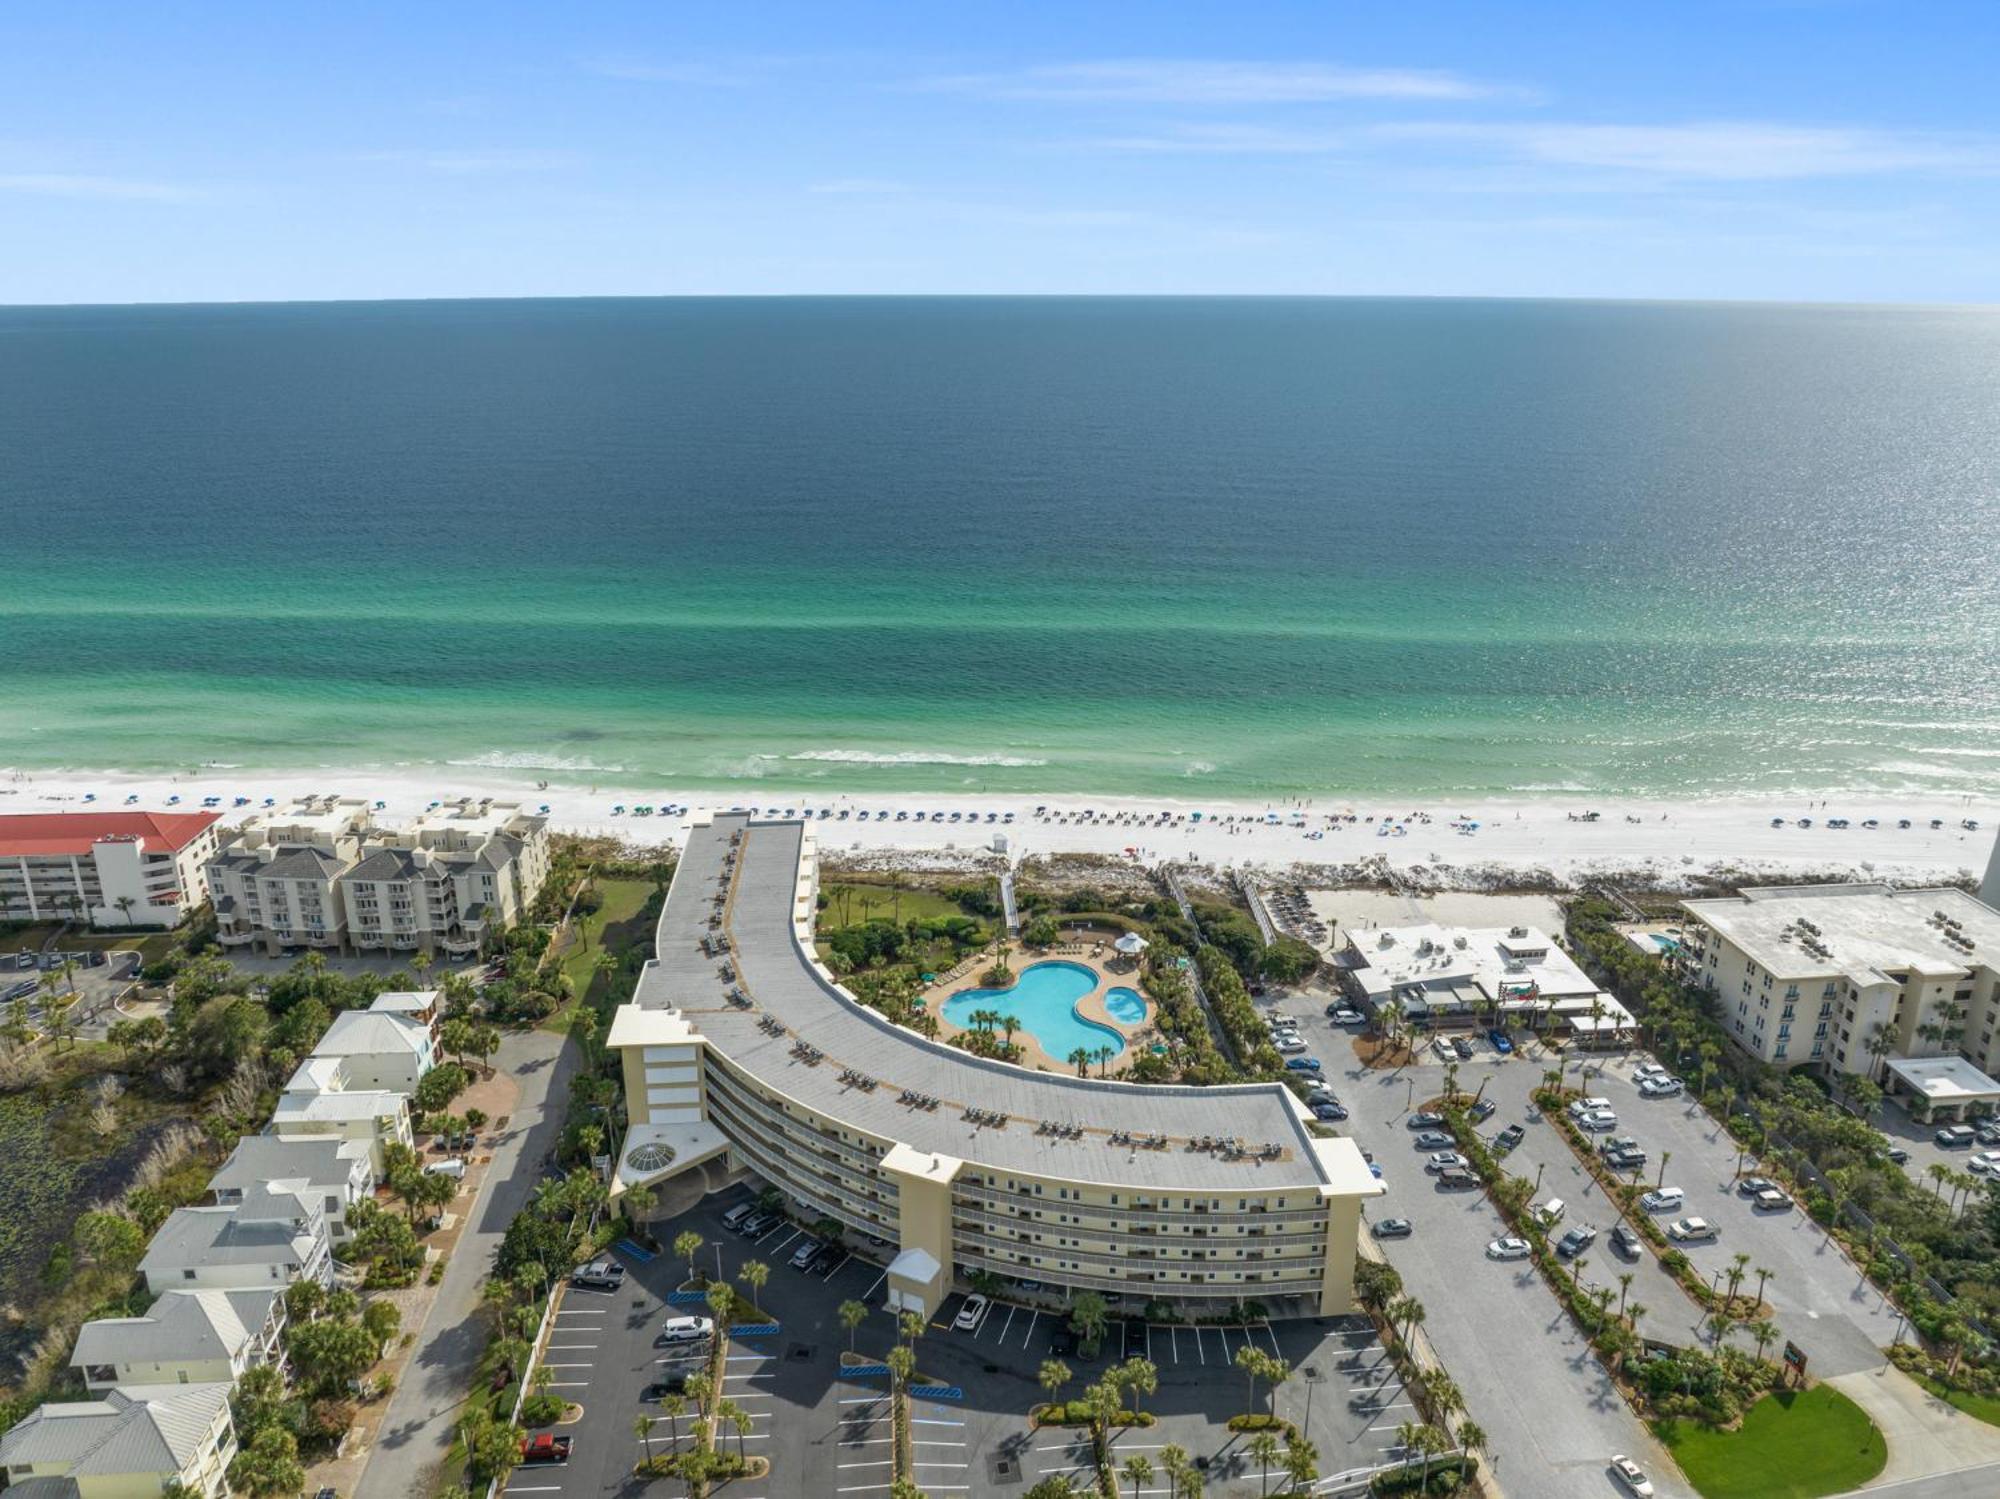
[1193, 81]
[858, 186]
[1720, 151]
[85, 185]
[1231, 140]
[474, 163]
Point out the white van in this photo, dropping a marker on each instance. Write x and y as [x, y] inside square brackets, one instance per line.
[1551, 1211]
[453, 1168]
[1581, 1106]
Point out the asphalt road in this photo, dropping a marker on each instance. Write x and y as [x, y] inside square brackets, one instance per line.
[1550, 1411]
[417, 1432]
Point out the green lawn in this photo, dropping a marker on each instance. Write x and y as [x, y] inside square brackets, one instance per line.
[871, 899]
[1985, 1407]
[615, 925]
[1792, 1445]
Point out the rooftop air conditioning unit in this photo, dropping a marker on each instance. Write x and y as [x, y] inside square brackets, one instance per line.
[1517, 931]
[1459, 942]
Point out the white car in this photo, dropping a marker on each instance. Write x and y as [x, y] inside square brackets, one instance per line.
[686, 1329]
[1580, 1106]
[1289, 1044]
[1771, 1200]
[1691, 1230]
[1632, 1476]
[969, 1314]
[1986, 1163]
[452, 1167]
[1661, 1087]
[1508, 1249]
[1444, 1160]
[1663, 1199]
[1648, 1069]
[1598, 1119]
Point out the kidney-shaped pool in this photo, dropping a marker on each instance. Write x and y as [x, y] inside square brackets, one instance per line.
[1043, 1000]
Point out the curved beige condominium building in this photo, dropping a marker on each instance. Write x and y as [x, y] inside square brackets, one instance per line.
[738, 1043]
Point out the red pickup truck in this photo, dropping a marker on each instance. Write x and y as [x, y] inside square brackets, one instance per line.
[545, 1447]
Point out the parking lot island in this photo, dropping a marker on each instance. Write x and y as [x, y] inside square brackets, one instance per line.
[740, 1045]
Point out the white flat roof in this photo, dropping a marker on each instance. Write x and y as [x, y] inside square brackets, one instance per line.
[1867, 931]
[1945, 1079]
[1390, 958]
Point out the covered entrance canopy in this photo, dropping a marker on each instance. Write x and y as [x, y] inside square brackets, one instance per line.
[915, 1282]
[1946, 1087]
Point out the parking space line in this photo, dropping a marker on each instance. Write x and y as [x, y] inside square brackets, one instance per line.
[932, 1421]
[779, 1247]
[837, 1268]
[1034, 1316]
[1011, 1309]
[887, 1462]
[876, 1287]
[1198, 1353]
[1275, 1349]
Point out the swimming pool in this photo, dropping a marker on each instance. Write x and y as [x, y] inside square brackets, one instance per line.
[1043, 1000]
[1126, 1006]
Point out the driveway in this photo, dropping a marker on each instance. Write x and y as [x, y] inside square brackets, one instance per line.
[1550, 1411]
[417, 1431]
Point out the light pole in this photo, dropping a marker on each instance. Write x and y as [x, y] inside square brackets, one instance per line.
[1312, 1383]
[1538, 1180]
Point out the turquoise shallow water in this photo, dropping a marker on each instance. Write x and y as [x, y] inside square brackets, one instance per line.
[1207, 548]
[1044, 1000]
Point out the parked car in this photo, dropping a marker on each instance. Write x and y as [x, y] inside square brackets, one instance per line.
[1508, 1249]
[598, 1275]
[451, 1166]
[969, 1314]
[1632, 1476]
[1618, 1142]
[1328, 1112]
[1443, 1159]
[1457, 1179]
[1750, 1186]
[1441, 1049]
[1509, 1137]
[686, 1329]
[1956, 1136]
[1626, 1160]
[1625, 1239]
[1661, 1087]
[1986, 1163]
[1597, 1120]
[1771, 1200]
[1578, 1107]
[1433, 1139]
[1573, 1243]
[1392, 1228]
[1987, 1134]
[1550, 1213]
[1290, 1042]
[757, 1223]
[1898, 1156]
[1320, 1093]
[1500, 1042]
[1648, 1069]
[1483, 1109]
[659, 1389]
[737, 1216]
[807, 1251]
[1692, 1230]
[1463, 1047]
[1303, 1064]
[545, 1447]
[1663, 1200]
[1424, 1121]
[1343, 1016]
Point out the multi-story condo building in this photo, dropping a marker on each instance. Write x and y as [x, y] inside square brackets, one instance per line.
[322, 874]
[338, 1172]
[111, 869]
[129, 1442]
[1895, 985]
[1188, 1195]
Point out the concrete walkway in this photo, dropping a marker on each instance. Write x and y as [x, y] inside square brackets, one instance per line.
[1926, 1435]
[417, 1431]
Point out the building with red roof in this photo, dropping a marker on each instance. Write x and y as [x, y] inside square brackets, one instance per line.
[111, 869]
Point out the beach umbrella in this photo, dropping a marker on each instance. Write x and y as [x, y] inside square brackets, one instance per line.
[1131, 944]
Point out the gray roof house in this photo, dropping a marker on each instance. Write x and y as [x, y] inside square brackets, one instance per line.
[187, 1337]
[131, 1440]
[338, 1172]
[272, 1239]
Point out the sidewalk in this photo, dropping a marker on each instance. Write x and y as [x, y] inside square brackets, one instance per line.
[415, 1433]
[497, 1096]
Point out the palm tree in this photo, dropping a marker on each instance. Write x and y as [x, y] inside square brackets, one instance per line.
[852, 1314]
[1739, 1265]
[1054, 1375]
[1763, 1277]
[1264, 1451]
[675, 1406]
[1010, 1024]
[1301, 1463]
[1139, 1377]
[1138, 1472]
[738, 1417]
[910, 1326]
[687, 1244]
[1252, 1362]
[642, 1428]
[1763, 1330]
[701, 1387]
[1624, 1290]
[1471, 1437]
[1174, 1463]
[1080, 1059]
[755, 1274]
[1665, 1156]
[124, 903]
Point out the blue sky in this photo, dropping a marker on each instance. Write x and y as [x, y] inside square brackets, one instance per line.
[1790, 149]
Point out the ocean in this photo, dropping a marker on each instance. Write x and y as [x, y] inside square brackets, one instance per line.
[1229, 548]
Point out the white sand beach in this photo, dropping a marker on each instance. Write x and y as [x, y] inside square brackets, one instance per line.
[1445, 845]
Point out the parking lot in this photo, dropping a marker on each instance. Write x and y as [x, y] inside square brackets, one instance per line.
[829, 1434]
[1550, 1411]
[1821, 1301]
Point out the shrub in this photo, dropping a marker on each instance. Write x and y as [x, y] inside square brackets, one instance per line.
[542, 1409]
[1260, 1421]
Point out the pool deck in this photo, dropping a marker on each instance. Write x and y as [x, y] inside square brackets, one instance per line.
[1094, 956]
